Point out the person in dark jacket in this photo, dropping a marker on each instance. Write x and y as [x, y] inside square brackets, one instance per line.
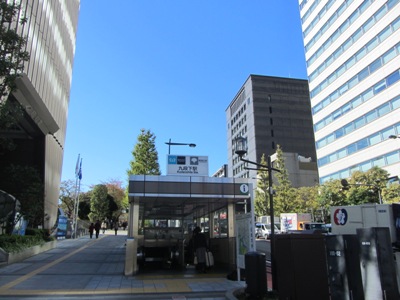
[116, 228]
[200, 247]
[97, 227]
[91, 229]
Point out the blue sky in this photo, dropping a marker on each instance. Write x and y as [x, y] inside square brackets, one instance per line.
[173, 67]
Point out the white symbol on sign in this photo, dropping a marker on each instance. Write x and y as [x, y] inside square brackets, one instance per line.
[244, 188]
[194, 161]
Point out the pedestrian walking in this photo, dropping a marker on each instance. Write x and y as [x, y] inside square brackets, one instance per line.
[97, 228]
[116, 228]
[91, 229]
[200, 248]
[104, 227]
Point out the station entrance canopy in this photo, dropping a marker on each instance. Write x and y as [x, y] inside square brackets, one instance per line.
[165, 209]
[181, 196]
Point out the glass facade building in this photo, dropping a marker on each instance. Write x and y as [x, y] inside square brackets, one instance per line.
[352, 51]
[43, 91]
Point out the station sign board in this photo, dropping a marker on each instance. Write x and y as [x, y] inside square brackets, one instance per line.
[187, 165]
[245, 241]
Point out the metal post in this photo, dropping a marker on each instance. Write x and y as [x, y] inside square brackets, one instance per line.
[379, 194]
[241, 149]
[346, 186]
[271, 205]
[178, 144]
[76, 209]
[75, 213]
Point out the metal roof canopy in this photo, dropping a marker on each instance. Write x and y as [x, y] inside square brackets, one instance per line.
[176, 197]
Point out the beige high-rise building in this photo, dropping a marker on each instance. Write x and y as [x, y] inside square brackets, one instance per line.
[44, 92]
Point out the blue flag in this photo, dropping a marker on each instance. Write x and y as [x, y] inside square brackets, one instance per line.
[80, 171]
[77, 167]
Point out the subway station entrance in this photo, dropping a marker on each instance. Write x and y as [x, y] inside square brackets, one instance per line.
[164, 210]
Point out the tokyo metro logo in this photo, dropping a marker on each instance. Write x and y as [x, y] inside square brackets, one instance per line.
[340, 216]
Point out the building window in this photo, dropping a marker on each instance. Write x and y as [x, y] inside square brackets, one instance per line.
[366, 95]
[358, 77]
[359, 145]
[381, 161]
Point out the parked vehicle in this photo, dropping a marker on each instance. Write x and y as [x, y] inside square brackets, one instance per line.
[328, 227]
[264, 230]
[267, 219]
[346, 219]
[294, 221]
[312, 226]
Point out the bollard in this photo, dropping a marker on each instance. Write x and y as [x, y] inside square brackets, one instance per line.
[131, 257]
[256, 274]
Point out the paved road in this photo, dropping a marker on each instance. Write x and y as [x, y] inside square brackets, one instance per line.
[264, 246]
[87, 268]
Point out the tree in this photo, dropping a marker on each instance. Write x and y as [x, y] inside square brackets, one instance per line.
[145, 156]
[261, 201]
[67, 197]
[365, 187]
[84, 205]
[99, 203]
[118, 200]
[12, 59]
[392, 193]
[305, 199]
[113, 210]
[67, 200]
[330, 194]
[285, 194]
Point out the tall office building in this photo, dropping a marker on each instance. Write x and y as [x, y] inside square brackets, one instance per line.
[43, 91]
[269, 111]
[352, 52]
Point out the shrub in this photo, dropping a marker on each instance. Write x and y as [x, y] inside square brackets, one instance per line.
[17, 243]
[42, 233]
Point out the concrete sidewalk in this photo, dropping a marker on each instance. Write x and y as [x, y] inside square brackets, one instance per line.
[87, 268]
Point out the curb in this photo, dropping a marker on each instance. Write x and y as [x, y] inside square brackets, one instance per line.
[10, 258]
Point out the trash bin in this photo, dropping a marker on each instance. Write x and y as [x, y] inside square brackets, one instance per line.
[256, 274]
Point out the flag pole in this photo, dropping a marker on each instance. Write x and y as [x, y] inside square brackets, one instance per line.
[77, 207]
[75, 218]
[79, 177]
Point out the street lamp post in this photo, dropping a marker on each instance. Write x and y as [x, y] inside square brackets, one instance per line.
[345, 184]
[178, 144]
[241, 149]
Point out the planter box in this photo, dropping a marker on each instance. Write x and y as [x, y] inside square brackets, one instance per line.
[9, 258]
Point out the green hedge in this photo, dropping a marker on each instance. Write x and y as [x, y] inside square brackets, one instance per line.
[17, 243]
